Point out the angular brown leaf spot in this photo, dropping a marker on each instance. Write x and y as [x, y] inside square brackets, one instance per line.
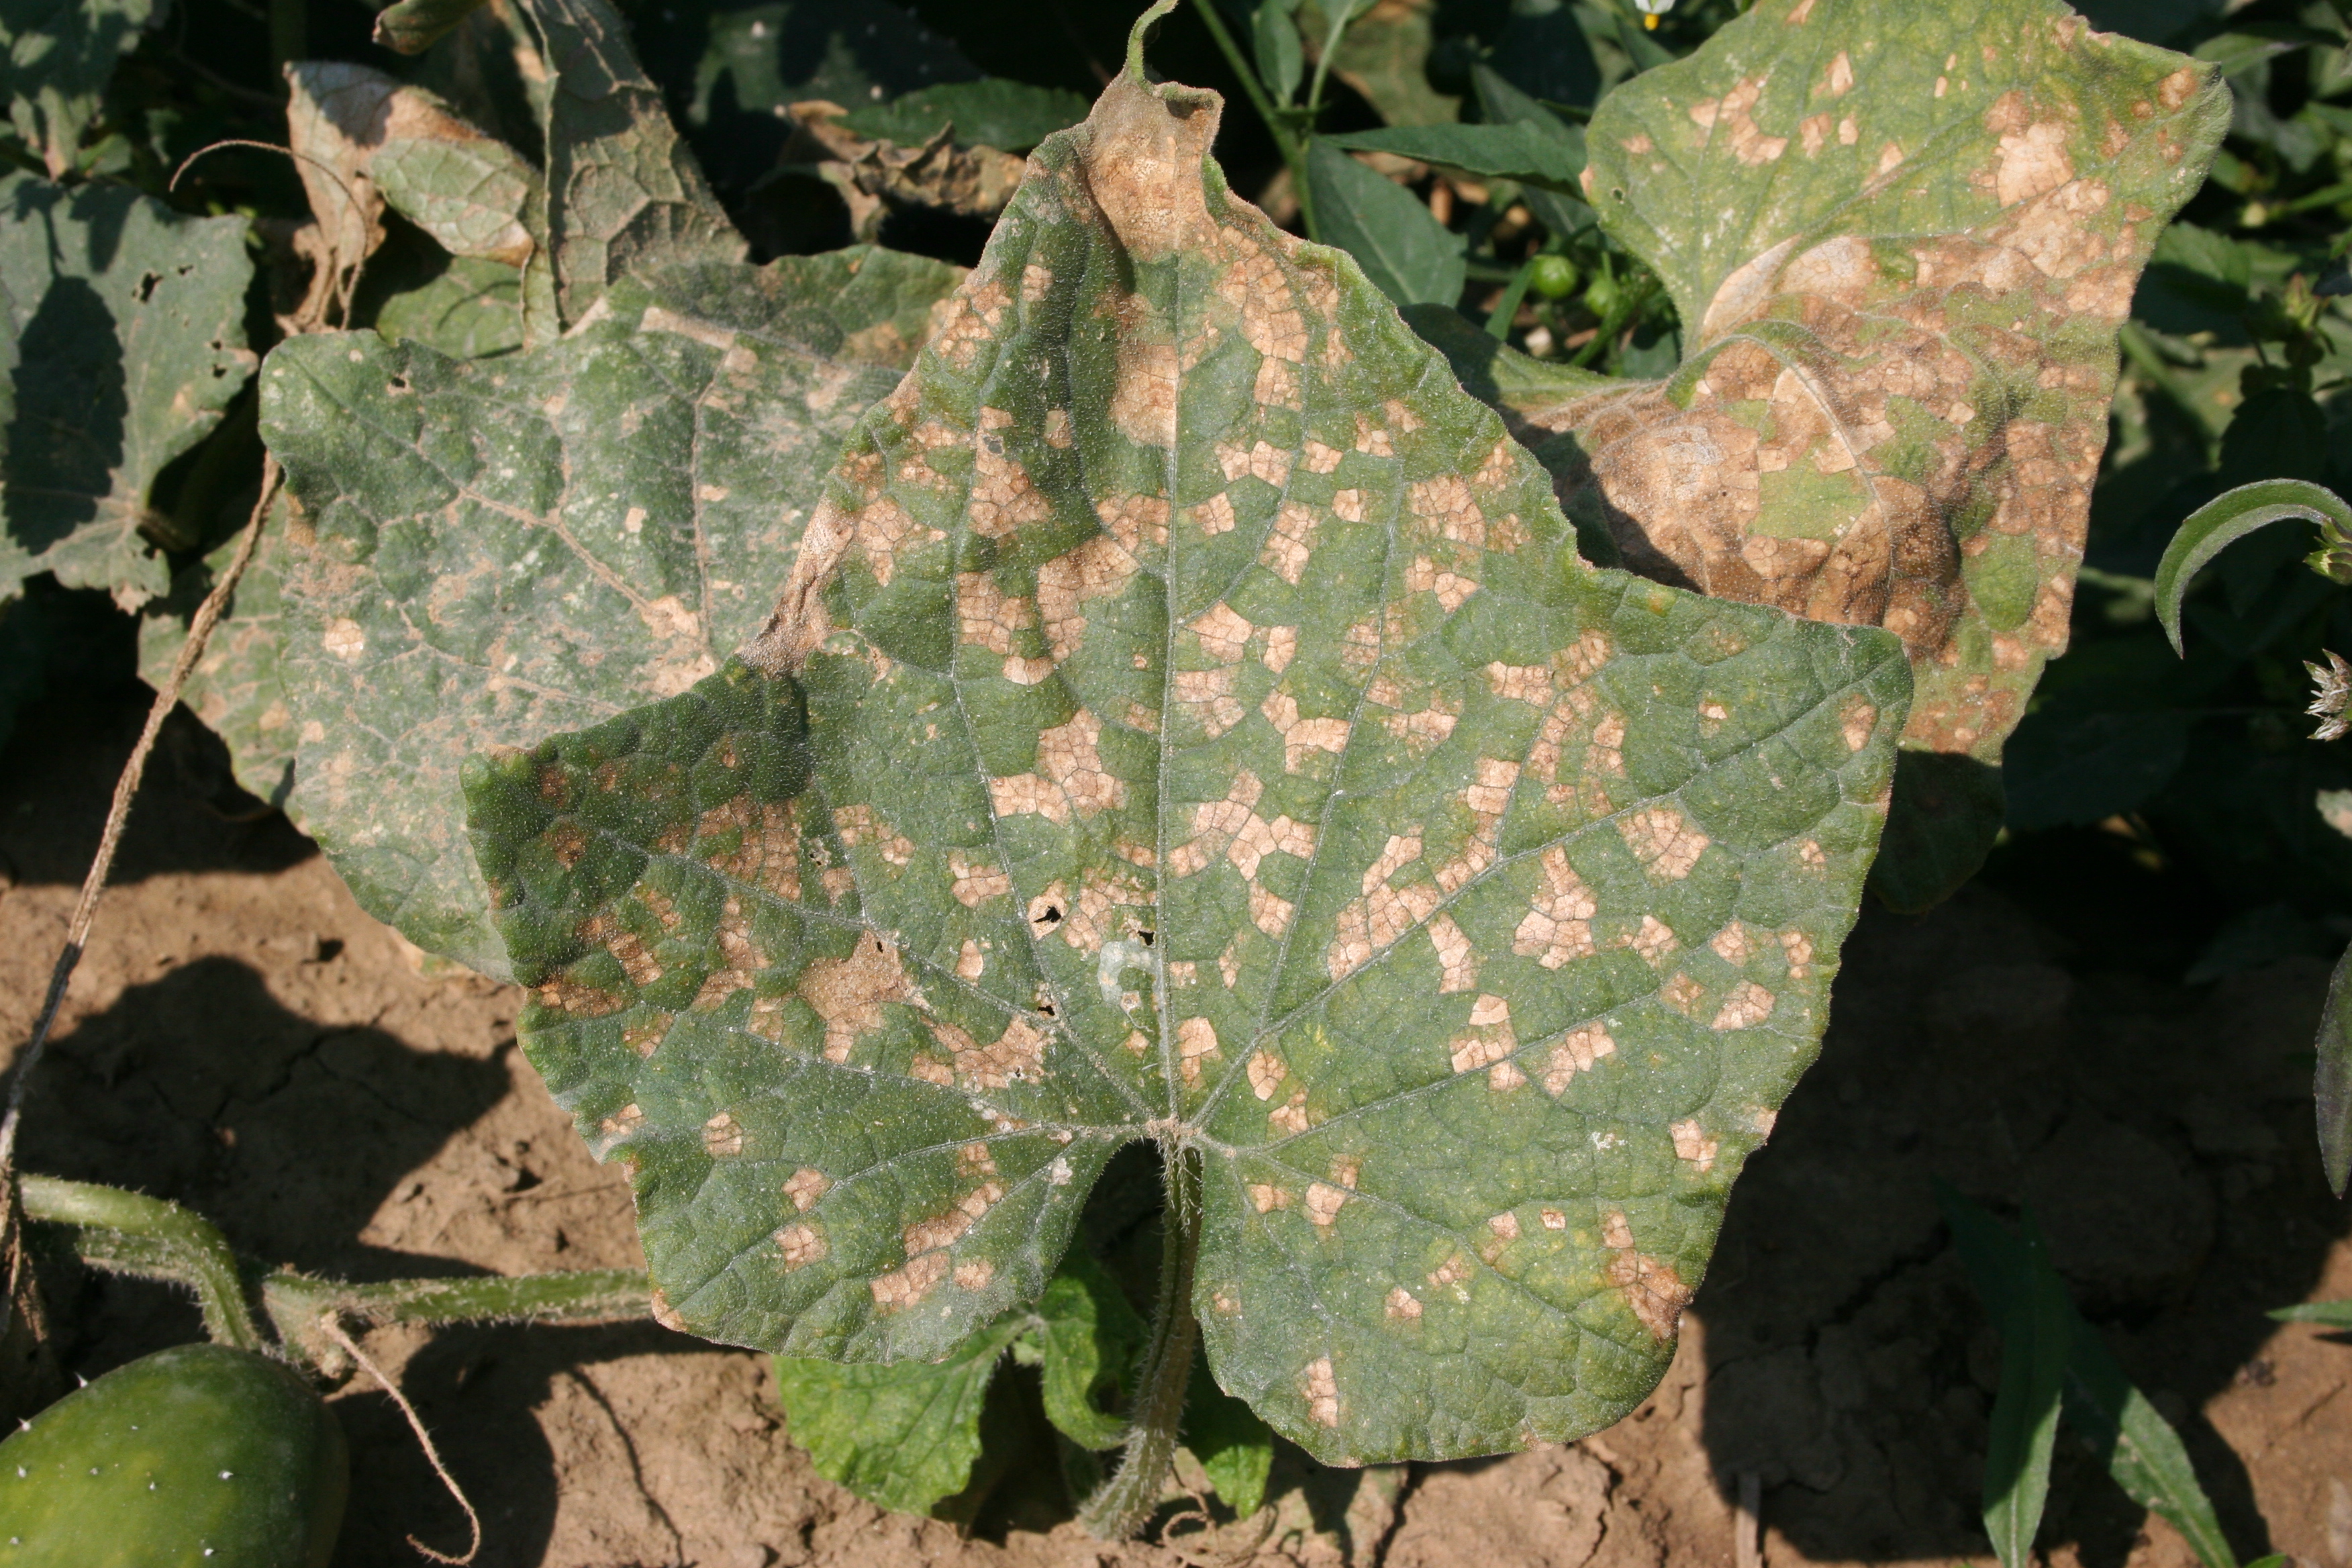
[1655, 939]
[1290, 1117]
[861, 825]
[1402, 1305]
[1664, 841]
[972, 882]
[800, 1244]
[1323, 1202]
[947, 1229]
[1196, 1039]
[1574, 1053]
[905, 1287]
[1016, 1056]
[1799, 947]
[1650, 1287]
[1265, 1198]
[975, 1275]
[1748, 1005]
[1692, 1144]
[1487, 1040]
[722, 1136]
[756, 844]
[1455, 960]
[1728, 119]
[848, 994]
[806, 1185]
[1322, 1390]
[1301, 737]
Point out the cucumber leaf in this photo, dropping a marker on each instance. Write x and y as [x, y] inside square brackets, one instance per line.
[1901, 241]
[499, 549]
[128, 321]
[56, 59]
[1187, 719]
[1011, 116]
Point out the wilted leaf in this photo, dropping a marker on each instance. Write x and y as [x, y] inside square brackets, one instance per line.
[56, 56]
[512, 547]
[1187, 719]
[904, 1437]
[749, 61]
[1011, 116]
[1408, 254]
[1900, 241]
[471, 193]
[413, 26]
[878, 178]
[623, 193]
[129, 322]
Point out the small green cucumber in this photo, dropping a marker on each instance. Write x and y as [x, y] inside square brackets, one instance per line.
[197, 1457]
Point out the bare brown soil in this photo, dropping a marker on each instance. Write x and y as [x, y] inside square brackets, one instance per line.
[243, 1038]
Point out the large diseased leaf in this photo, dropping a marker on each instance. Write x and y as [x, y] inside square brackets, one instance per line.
[1188, 718]
[1900, 240]
[129, 329]
[510, 547]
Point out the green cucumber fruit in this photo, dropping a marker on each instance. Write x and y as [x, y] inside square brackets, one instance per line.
[197, 1457]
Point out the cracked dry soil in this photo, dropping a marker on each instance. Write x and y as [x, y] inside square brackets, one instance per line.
[241, 1037]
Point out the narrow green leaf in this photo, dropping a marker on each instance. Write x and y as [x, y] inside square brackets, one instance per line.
[1544, 52]
[2138, 1446]
[2329, 1314]
[1233, 1445]
[1188, 720]
[624, 194]
[1281, 56]
[1091, 1338]
[129, 323]
[510, 547]
[2024, 1424]
[1520, 153]
[904, 1435]
[1407, 254]
[56, 57]
[1011, 116]
[2332, 1081]
[2230, 517]
[413, 26]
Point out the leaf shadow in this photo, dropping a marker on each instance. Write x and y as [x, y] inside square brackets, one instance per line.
[2162, 1136]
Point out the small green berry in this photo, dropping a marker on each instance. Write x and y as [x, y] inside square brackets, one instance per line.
[1553, 277]
[1600, 296]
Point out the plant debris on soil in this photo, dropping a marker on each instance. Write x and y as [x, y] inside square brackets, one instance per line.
[243, 1040]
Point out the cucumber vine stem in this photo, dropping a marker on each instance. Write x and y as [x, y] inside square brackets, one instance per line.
[1123, 1505]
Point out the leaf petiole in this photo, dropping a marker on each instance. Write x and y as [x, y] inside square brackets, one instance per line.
[1124, 1503]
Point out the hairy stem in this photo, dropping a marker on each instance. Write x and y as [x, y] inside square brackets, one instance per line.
[1123, 1504]
[128, 1233]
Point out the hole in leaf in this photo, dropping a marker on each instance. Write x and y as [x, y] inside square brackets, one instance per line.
[146, 289]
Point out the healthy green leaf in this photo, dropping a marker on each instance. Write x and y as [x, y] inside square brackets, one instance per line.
[1544, 52]
[904, 1437]
[2024, 1422]
[2328, 1314]
[2141, 1451]
[1502, 103]
[129, 322]
[2230, 517]
[2066, 766]
[1091, 1339]
[56, 57]
[1011, 116]
[623, 193]
[1280, 55]
[1188, 720]
[2332, 1083]
[413, 26]
[506, 548]
[1520, 153]
[1233, 1445]
[1900, 241]
[1408, 254]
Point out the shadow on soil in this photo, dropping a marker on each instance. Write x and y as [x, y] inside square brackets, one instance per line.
[2161, 1134]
